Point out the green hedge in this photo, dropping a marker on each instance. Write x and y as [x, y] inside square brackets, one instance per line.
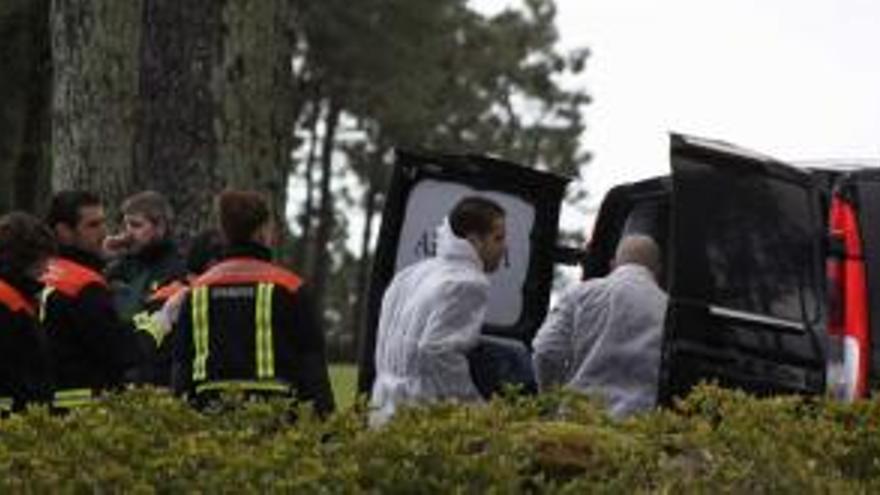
[145, 442]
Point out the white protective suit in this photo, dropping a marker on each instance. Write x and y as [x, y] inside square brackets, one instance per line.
[604, 336]
[431, 317]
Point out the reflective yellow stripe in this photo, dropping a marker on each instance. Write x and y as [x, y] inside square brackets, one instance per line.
[263, 318]
[244, 386]
[44, 301]
[5, 404]
[200, 333]
[74, 397]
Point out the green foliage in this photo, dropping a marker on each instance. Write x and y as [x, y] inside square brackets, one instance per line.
[146, 442]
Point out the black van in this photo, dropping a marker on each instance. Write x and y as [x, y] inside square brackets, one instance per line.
[769, 267]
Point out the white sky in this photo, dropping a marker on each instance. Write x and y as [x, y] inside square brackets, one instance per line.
[794, 79]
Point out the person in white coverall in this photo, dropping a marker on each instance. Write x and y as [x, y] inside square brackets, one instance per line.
[604, 336]
[433, 310]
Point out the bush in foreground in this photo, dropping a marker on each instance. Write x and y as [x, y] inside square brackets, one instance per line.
[146, 441]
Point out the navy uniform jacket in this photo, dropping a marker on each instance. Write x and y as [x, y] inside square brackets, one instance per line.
[24, 372]
[91, 346]
[248, 324]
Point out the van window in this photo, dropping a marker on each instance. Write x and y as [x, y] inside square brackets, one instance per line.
[755, 237]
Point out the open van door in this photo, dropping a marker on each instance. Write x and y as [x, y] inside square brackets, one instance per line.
[424, 188]
[747, 302]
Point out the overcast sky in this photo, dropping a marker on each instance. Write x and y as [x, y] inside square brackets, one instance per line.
[794, 79]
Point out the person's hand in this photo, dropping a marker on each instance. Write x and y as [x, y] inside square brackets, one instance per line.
[116, 245]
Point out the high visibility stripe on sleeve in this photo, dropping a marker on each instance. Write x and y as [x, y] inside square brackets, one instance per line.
[144, 322]
[200, 333]
[44, 301]
[263, 318]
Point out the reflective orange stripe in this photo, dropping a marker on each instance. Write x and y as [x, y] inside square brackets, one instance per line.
[69, 277]
[14, 300]
[248, 271]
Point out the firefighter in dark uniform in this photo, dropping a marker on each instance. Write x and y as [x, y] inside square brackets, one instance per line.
[91, 347]
[247, 324]
[25, 247]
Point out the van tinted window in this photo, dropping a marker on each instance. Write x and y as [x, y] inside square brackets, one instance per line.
[750, 237]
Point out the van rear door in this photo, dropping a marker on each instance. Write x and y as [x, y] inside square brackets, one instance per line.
[424, 188]
[747, 304]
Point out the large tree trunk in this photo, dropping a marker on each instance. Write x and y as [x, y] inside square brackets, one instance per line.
[25, 88]
[257, 108]
[301, 256]
[320, 252]
[96, 58]
[182, 96]
[177, 146]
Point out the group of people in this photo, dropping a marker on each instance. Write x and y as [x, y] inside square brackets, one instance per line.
[83, 313]
[603, 337]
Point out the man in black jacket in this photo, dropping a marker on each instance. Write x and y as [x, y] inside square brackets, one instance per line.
[91, 346]
[247, 324]
[25, 247]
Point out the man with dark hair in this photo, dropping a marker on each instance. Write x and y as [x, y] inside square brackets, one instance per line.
[91, 346]
[247, 324]
[604, 335]
[433, 310]
[25, 247]
[146, 257]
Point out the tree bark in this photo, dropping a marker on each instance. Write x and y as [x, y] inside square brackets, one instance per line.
[320, 268]
[371, 196]
[95, 54]
[302, 255]
[182, 96]
[177, 145]
[257, 108]
[25, 89]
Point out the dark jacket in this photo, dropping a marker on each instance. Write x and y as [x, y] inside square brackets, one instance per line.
[91, 346]
[24, 365]
[133, 278]
[157, 371]
[249, 324]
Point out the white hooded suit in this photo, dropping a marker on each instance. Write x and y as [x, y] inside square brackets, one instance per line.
[431, 317]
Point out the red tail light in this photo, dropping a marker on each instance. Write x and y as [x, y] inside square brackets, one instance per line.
[848, 316]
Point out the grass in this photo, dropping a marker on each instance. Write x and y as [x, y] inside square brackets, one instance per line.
[343, 378]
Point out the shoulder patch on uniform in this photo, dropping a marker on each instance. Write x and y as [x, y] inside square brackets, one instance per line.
[69, 277]
[236, 271]
[14, 300]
